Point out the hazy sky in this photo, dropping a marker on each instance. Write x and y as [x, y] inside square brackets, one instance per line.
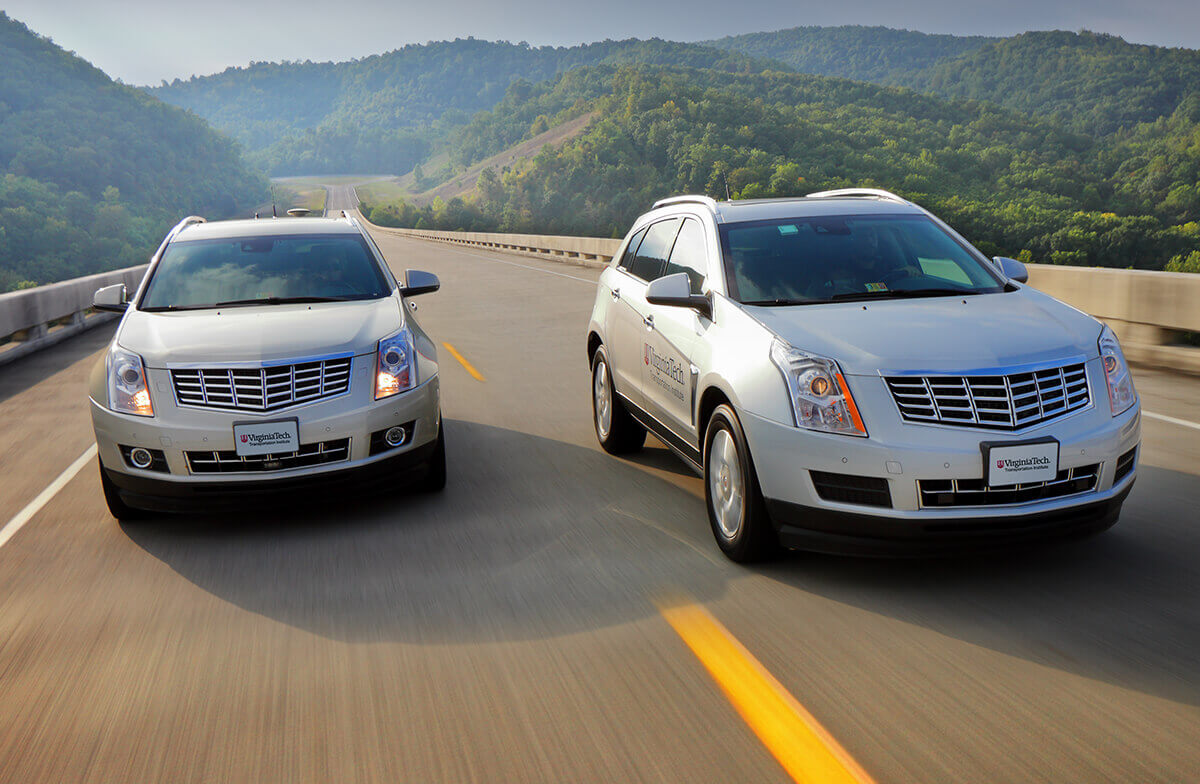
[143, 41]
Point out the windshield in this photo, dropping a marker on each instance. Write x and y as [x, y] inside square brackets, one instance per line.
[799, 261]
[264, 270]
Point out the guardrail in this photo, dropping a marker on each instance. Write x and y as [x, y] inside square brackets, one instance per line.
[1150, 311]
[33, 319]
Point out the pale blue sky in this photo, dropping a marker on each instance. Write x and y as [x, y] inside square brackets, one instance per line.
[143, 41]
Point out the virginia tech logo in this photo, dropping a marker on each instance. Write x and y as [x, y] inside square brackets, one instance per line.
[646, 352]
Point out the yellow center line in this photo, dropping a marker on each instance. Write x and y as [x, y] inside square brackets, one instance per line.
[462, 360]
[793, 735]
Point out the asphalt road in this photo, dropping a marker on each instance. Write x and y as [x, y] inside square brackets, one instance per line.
[508, 629]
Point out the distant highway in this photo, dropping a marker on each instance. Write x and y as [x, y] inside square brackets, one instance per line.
[522, 626]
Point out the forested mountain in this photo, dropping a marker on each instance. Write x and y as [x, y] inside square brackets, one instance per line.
[1016, 184]
[1088, 81]
[869, 54]
[280, 110]
[91, 171]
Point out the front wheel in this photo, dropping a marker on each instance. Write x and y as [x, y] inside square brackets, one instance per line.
[736, 510]
[618, 432]
[435, 475]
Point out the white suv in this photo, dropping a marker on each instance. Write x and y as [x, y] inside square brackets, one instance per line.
[260, 359]
[850, 375]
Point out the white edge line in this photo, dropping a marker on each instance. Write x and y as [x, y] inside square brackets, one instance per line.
[1172, 420]
[33, 507]
[526, 266]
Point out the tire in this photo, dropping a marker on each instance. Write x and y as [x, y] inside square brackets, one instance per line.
[617, 431]
[736, 510]
[435, 468]
[116, 505]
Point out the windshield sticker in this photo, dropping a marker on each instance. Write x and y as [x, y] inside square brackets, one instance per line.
[877, 287]
[786, 229]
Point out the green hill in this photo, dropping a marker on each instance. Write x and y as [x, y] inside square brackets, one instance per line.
[377, 105]
[92, 172]
[869, 54]
[1016, 184]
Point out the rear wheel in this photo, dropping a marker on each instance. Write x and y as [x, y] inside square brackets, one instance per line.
[435, 477]
[618, 432]
[116, 506]
[736, 510]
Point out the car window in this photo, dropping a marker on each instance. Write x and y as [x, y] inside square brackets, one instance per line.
[200, 273]
[690, 255]
[651, 257]
[631, 250]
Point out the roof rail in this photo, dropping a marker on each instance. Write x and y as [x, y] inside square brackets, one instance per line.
[867, 192]
[705, 200]
[183, 224]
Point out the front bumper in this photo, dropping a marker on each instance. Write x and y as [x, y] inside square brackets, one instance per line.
[176, 430]
[903, 454]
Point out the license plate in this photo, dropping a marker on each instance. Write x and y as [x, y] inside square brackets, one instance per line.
[1020, 463]
[267, 438]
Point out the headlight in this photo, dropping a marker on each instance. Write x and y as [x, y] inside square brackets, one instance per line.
[127, 388]
[821, 400]
[1121, 394]
[395, 370]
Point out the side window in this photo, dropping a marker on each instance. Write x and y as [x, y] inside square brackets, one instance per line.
[651, 256]
[630, 250]
[690, 255]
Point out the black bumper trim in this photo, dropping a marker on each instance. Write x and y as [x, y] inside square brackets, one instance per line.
[851, 533]
[163, 496]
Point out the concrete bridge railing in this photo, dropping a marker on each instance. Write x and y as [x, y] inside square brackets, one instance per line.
[1150, 311]
[33, 319]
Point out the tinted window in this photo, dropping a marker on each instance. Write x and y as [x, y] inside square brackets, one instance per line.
[206, 272]
[843, 257]
[627, 258]
[651, 256]
[689, 255]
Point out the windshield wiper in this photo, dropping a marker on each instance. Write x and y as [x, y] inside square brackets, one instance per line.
[275, 301]
[781, 301]
[901, 294]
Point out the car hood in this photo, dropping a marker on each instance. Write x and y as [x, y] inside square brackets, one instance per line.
[951, 334]
[263, 333]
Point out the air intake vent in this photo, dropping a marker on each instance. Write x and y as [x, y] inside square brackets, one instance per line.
[975, 492]
[850, 489]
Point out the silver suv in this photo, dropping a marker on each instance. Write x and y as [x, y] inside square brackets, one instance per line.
[850, 375]
[261, 358]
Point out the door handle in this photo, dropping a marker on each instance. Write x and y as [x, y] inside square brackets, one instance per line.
[648, 321]
[616, 293]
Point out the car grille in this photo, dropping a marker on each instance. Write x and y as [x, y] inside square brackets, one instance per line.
[975, 492]
[262, 389]
[1001, 402]
[231, 463]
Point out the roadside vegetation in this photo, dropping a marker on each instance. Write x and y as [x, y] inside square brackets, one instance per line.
[92, 173]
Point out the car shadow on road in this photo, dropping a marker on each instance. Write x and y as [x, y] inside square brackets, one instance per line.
[531, 538]
[536, 538]
[1120, 607]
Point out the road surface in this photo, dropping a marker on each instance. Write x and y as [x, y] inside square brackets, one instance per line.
[511, 629]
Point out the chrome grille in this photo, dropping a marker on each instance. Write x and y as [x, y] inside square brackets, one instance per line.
[975, 492]
[262, 388]
[231, 463]
[1003, 402]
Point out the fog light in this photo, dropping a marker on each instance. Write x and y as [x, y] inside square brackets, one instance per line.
[395, 436]
[141, 458]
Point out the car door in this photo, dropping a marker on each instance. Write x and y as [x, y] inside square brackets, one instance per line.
[630, 325]
[669, 374]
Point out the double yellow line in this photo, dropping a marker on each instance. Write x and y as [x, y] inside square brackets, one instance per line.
[797, 740]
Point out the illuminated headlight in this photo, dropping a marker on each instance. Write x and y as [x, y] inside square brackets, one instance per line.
[1121, 394]
[821, 400]
[127, 388]
[395, 370]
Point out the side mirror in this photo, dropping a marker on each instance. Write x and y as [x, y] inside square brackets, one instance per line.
[676, 291]
[418, 282]
[1012, 269]
[111, 299]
